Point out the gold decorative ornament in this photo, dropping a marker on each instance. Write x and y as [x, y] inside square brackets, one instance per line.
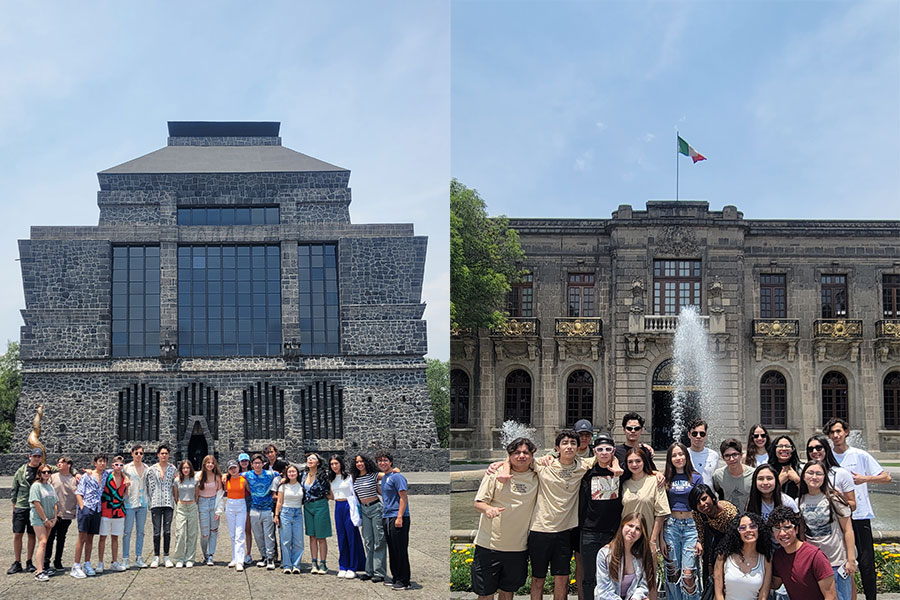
[33, 441]
[516, 328]
[578, 327]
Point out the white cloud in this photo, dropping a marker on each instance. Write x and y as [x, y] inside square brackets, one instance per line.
[584, 160]
[649, 137]
[601, 125]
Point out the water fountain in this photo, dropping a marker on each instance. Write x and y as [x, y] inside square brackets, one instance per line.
[511, 430]
[695, 375]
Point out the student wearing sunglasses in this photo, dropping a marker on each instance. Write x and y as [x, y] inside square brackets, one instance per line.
[42, 498]
[704, 460]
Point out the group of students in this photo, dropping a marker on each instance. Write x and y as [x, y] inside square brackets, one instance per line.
[741, 531]
[258, 495]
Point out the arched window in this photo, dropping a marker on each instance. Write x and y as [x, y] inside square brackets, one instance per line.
[459, 398]
[518, 397]
[773, 400]
[834, 396]
[892, 400]
[139, 413]
[579, 397]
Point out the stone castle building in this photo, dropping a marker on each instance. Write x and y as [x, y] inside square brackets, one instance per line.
[225, 301]
[803, 320]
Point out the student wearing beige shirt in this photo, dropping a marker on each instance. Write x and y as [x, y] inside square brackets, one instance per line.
[501, 545]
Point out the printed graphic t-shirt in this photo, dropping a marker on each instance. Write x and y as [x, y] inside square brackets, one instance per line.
[509, 531]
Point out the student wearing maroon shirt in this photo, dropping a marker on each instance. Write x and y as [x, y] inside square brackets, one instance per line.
[802, 568]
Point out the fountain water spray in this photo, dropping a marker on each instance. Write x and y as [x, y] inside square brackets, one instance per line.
[511, 430]
[695, 370]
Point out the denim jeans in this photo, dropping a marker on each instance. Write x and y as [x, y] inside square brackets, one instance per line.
[291, 526]
[681, 538]
[591, 543]
[134, 517]
[209, 525]
[843, 585]
[162, 525]
[373, 539]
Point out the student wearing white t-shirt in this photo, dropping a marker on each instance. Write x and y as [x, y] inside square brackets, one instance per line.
[865, 470]
[704, 460]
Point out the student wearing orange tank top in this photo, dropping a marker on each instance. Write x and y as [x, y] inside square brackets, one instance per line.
[236, 491]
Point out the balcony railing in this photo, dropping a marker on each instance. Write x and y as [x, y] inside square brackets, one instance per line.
[519, 327]
[838, 329]
[888, 328]
[666, 323]
[776, 328]
[579, 327]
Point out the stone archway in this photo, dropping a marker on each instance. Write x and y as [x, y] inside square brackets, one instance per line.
[196, 441]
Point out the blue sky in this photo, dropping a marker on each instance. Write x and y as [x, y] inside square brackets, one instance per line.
[569, 109]
[362, 85]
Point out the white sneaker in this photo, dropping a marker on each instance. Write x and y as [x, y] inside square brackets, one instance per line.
[77, 572]
[239, 567]
[88, 569]
[349, 574]
[99, 567]
[125, 564]
[154, 563]
[179, 564]
[117, 567]
[169, 563]
[261, 563]
[139, 563]
[341, 573]
[209, 561]
[231, 564]
[188, 565]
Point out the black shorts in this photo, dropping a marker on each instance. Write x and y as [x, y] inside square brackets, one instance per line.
[552, 550]
[89, 521]
[493, 569]
[22, 521]
[575, 542]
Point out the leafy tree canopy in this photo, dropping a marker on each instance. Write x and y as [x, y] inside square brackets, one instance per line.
[484, 253]
[10, 385]
[437, 374]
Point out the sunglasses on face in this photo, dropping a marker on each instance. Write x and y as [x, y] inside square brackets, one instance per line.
[785, 528]
[750, 527]
[118, 464]
[630, 428]
[814, 448]
[604, 450]
[759, 435]
[698, 434]
[139, 453]
[45, 472]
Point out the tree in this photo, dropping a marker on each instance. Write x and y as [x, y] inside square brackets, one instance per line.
[437, 374]
[484, 253]
[10, 386]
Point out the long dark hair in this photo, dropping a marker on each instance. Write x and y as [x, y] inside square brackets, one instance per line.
[671, 471]
[830, 461]
[331, 473]
[640, 550]
[750, 458]
[733, 544]
[832, 496]
[644, 457]
[181, 475]
[793, 461]
[754, 502]
[367, 461]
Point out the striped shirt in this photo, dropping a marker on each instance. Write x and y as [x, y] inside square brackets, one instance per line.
[365, 486]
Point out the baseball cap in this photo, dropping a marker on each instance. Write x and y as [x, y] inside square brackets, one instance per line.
[243, 456]
[35, 452]
[604, 438]
[583, 425]
[232, 463]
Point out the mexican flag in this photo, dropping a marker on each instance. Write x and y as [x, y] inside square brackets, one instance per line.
[687, 150]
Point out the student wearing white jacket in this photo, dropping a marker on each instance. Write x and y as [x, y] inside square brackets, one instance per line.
[352, 557]
[624, 566]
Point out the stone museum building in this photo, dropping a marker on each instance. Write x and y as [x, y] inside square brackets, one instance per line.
[803, 321]
[225, 301]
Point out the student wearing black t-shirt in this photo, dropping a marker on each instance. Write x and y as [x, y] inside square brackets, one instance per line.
[599, 509]
[633, 426]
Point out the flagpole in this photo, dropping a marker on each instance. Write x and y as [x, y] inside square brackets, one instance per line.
[676, 165]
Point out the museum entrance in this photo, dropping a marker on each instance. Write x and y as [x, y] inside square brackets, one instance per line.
[663, 393]
[197, 446]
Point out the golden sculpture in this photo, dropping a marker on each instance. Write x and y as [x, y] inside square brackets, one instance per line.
[33, 441]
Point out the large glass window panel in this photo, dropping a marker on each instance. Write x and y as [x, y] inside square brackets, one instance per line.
[319, 301]
[135, 301]
[228, 318]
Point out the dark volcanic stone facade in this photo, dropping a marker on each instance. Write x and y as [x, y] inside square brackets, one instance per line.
[371, 395]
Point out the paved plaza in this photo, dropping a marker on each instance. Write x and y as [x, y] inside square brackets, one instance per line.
[427, 553]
